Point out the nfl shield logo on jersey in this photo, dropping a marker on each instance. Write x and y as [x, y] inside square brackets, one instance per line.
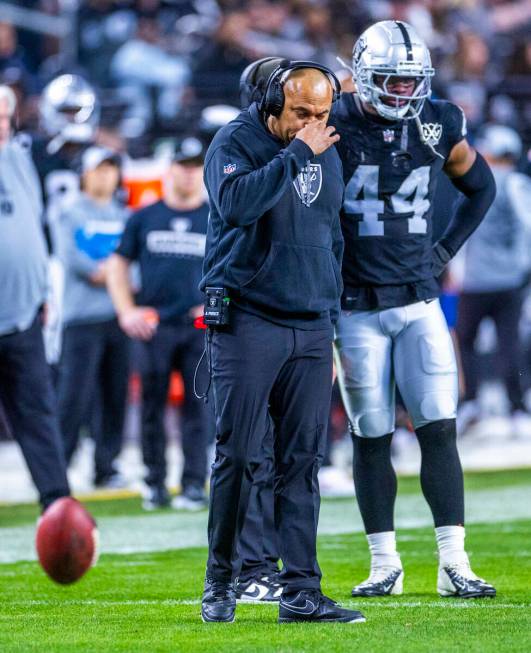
[388, 135]
[228, 168]
[431, 132]
[308, 183]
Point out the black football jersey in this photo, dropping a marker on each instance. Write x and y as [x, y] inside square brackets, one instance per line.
[390, 177]
[59, 176]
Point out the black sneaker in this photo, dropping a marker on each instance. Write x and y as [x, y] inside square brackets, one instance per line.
[155, 497]
[314, 606]
[256, 590]
[219, 601]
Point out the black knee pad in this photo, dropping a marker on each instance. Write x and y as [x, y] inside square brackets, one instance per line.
[371, 448]
[437, 436]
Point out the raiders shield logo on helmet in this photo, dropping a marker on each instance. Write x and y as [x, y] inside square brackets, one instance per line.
[308, 183]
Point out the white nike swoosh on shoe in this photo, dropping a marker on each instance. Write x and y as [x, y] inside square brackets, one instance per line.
[300, 610]
[257, 593]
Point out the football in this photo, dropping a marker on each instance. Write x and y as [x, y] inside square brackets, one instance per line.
[66, 540]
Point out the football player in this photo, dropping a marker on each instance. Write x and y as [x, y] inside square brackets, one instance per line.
[69, 116]
[395, 143]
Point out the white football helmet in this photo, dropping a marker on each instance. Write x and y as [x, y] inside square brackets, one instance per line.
[69, 108]
[387, 50]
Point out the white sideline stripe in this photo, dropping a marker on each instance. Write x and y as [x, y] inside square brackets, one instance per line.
[106, 603]
[487, 604]
[449, 604]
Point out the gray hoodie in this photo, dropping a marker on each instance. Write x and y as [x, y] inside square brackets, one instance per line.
[88, 233]
[23, 255]
[498, 254]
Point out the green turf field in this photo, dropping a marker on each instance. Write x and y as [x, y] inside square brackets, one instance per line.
[148, 601]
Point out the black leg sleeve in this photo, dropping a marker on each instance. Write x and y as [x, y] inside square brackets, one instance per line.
[375, 482]
[441, 476]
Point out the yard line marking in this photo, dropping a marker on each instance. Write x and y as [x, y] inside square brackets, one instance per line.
[449, 604]
[106, 603]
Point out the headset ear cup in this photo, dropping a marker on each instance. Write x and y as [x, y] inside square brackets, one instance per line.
[275, 99]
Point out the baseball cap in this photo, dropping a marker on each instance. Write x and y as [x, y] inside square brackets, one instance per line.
[94, 156]
[190, 150]
[499, 141]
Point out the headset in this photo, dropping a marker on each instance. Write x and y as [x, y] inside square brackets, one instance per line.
[272, 101]
[254, 78]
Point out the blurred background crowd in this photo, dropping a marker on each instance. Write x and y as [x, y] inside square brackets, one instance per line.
[165, 69]
[157, 63]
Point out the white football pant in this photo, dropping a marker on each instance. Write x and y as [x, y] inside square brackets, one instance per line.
[408, 347]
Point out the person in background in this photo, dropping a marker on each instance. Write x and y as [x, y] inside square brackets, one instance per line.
[497, 262]
[168, 241]
[94, 363]
[69, 117]
[26, 391]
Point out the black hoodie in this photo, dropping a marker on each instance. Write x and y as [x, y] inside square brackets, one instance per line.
[274, 240]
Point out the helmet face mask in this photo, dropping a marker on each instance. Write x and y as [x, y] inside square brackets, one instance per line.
[390, 54]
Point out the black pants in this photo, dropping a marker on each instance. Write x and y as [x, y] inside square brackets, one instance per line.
[268, 378]
[258, 550]
[28, 400]
[93, 375]
[172, 347]
[504, 308]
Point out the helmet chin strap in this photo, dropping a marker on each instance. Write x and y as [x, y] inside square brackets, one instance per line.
[346, 65]
[70, 134]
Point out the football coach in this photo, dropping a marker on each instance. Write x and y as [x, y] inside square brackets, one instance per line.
[26, 393]
[272, 282]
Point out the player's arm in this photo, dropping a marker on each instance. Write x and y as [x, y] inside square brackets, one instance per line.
[119, 284]
[132, 318]
[471, 175]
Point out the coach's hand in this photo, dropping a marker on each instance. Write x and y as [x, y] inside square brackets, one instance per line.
[318, 136]
[136, 323]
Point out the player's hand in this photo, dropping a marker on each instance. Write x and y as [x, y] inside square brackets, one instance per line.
[440, 259]
[196, 311]
[136, 323]
[318, 136]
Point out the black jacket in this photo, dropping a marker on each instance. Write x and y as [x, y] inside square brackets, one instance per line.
[274, 240]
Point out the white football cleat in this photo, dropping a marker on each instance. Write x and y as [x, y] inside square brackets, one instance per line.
[460, 581]
[383, 581]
